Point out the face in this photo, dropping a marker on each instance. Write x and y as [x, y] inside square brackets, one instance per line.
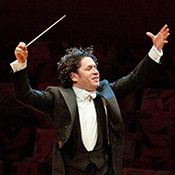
[87, 76]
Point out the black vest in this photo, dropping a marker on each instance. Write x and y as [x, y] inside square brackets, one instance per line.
[75, 154]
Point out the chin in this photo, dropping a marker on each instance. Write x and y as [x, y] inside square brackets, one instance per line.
[96, 86]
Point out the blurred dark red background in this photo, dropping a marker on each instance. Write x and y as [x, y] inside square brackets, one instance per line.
[117, 30]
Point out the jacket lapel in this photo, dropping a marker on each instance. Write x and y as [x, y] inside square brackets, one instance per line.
[70, 99]
[105, 91]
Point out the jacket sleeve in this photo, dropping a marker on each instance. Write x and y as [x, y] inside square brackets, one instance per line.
[135, 79]
[42, 101]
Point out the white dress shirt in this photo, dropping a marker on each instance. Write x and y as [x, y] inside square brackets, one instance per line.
[87, 117]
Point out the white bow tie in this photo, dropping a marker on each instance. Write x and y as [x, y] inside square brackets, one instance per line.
[89, 95]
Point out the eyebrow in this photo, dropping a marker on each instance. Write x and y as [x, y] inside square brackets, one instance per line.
[91, 65]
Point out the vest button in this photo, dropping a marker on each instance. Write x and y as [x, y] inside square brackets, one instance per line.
[91, 159]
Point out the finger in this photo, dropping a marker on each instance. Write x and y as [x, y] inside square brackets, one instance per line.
[164, 28]
[166, 32]
[166, 35]
[21, 49]
[150, 35]
[24, 48]
[22, 45]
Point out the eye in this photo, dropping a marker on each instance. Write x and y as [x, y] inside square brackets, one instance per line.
[89, 68]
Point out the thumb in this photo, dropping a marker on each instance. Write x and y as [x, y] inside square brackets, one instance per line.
[150, 35]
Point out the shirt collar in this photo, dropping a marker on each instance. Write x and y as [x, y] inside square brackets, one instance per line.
[81, 93]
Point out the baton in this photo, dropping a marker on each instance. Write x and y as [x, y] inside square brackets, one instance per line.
[44, 31]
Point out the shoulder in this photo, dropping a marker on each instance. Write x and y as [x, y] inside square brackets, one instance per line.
[104, 82]
[56, 89]
[103, 85]
[60, 90]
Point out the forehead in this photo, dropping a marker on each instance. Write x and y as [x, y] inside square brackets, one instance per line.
[87, 61]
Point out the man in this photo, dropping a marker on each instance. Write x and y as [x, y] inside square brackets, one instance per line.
[84, 109]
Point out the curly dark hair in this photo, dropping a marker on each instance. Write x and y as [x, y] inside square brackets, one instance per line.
[70, 62]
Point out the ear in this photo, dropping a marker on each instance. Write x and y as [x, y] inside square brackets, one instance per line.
[73, 76]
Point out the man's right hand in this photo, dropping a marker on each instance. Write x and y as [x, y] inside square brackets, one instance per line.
[21, 52]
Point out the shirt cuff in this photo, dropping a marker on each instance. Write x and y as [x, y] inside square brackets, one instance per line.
[155, 55]
[17, 66]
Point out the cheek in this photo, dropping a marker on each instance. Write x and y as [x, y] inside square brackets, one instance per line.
[86, 80]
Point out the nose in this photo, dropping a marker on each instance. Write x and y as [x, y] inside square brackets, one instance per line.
[95, 70]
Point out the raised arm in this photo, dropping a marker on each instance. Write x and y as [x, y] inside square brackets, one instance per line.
[137, 77]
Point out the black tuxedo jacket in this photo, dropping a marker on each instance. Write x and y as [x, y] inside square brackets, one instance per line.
[60, 104]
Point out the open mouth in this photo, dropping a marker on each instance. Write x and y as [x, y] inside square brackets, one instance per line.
[96, 78]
